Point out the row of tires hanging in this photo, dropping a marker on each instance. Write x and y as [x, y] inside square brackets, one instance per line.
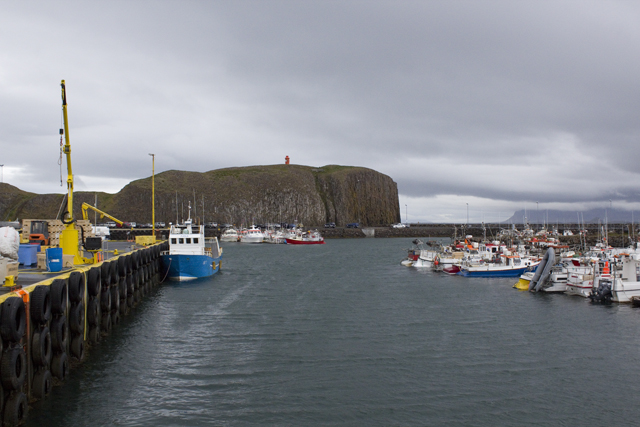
[47, 326]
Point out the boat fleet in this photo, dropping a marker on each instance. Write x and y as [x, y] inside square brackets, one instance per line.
[602, 273]
[253, 234]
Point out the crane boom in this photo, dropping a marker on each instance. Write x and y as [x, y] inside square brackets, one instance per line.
[85, 215]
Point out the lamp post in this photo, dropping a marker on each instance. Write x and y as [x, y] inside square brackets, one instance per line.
[467, 214]
[153, 196]
[406, 215]
[1, 174]
[537, 216]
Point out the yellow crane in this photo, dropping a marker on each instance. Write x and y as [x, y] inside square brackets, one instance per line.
[85, 214]
[69, 236]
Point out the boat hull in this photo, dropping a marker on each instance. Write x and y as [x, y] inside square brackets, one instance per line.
[189, 267]
[304, 242]
[495, 272]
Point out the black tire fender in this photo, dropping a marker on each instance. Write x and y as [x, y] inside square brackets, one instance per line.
[94, 335]
[59, 334]
[105, 323]
[93, 312]
[105, 300]
[58, 294]
[41, 384]
[105, 274]
[13, 369]
[77, 347]
[94, 281]
[40, 305]
[41, 347]
[76, 286]
[76, 318]
[14, 319]
[16, 409]
[60, 366]
[122, 266]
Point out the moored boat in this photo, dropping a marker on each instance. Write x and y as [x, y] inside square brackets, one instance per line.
[188, 257]
[300, 237]
[507, 266]
[252, 235]
[229, 235]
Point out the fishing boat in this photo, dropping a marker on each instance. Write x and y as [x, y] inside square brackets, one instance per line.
[252, 235]
[229, 235]
[299, 237]
[188, 257]
[504, 266]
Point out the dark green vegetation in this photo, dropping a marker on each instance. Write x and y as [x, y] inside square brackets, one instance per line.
[256, 194]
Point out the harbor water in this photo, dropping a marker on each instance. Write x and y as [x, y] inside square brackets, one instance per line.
[341, 334]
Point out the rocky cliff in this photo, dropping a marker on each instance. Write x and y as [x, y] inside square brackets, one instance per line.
[257, 194]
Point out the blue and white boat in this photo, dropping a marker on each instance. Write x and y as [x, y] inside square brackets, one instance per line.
[502, 266]
[188, 257]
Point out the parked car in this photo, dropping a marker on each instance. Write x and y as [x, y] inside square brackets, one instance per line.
[330, 225]
[353, 225]
[111, 224]
[160, 224]
[211, 224]
[398, 225]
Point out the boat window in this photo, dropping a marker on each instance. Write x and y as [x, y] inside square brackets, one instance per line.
[181, 240]
[173, 240]
[189, 240]
[195, 240]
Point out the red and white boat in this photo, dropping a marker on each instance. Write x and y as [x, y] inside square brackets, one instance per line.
[299, 237]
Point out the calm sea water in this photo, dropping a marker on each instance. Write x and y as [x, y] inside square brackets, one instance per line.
[342, 334]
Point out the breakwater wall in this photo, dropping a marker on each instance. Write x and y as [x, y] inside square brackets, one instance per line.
[47, 327]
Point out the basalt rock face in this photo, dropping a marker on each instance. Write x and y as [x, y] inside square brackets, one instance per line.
[257, 194]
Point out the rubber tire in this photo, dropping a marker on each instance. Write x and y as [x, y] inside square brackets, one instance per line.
[105, 300]
[40, 305]
[115, 318]
[41, 384]
[114, 272]
[93, 312]
[122, 287]
[76, 286]
[58, 296]
[60, 366]
[94, 335]
[14, 319]
[16, 409]
[76, 318]
[94, 281]
[105, 274]
[105, 323]
[59, 334]
[115, 298]
[13, 369]
[78, 347]
[41, 347]
[122, 266]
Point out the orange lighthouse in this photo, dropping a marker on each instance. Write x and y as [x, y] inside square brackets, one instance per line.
[286, 160]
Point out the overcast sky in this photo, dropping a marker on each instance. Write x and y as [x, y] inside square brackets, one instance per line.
[501, 105]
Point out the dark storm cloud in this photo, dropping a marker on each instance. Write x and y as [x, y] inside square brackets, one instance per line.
[503, 102]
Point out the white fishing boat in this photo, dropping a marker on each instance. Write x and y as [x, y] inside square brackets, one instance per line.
[617, 281]
[252, 235]
[229, 235]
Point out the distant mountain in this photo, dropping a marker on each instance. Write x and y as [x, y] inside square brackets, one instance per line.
[256, 194]
[591, 216]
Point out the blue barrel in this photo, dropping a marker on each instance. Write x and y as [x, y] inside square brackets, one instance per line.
[54, 259]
